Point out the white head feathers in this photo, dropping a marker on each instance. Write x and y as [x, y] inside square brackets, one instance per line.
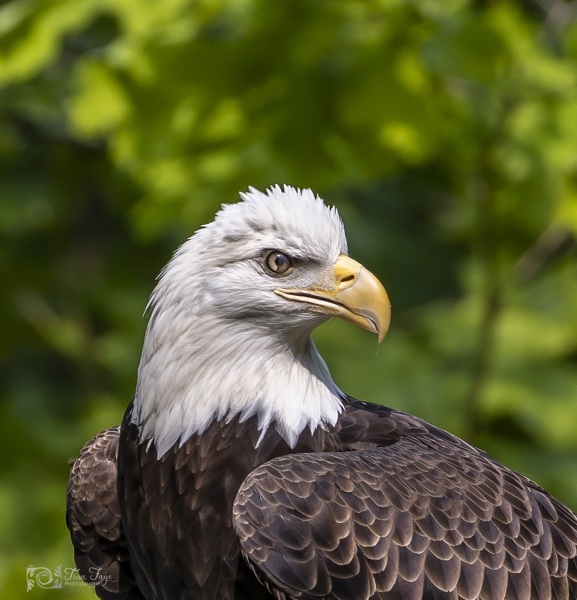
[221, 343]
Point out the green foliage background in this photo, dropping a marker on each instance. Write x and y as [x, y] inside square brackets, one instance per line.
[444, 130]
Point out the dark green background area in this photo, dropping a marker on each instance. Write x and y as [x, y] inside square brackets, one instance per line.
[445, 131]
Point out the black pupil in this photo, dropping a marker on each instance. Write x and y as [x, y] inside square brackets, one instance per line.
[279, 263]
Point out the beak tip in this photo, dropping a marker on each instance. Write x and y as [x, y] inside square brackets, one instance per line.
[382, 332]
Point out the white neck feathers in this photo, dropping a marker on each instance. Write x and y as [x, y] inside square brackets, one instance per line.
[193, 372]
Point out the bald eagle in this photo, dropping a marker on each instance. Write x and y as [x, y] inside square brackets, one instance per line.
[242, 471]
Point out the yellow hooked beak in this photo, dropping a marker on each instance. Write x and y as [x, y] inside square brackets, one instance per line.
[356, 296]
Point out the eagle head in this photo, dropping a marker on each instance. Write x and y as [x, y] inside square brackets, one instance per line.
[231, 317]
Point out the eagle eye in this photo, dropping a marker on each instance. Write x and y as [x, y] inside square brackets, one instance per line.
[277, 263]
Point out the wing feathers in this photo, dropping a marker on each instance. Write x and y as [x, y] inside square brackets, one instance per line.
[421, 517]
[402, 521]
[93, 518]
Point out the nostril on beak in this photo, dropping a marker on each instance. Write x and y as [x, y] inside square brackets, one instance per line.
[350, 277]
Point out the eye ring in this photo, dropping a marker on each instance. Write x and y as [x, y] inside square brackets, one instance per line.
[277, 263]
